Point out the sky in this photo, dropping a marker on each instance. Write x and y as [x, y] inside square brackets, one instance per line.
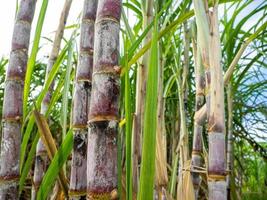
[7, 17]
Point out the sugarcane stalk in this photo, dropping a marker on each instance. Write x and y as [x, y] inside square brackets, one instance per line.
[102, 150]
[229, 141]
[81, 100]
[202, 57]
[147, 7]
[12, 105]
[182, 148]
[199, 101]
[161, 143]
[216, 127]
[42, 159]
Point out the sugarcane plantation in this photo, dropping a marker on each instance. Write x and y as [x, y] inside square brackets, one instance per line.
[133, 100]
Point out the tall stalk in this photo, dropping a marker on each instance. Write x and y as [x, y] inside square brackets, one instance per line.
[198, 128]
[13, 106]
[147, 172]
[102, 151]
[161, 138]
[182, 93]
[140, 95]
[42, 160]
[216, 119]
[230, 141]
[183, 140]
[81, 101]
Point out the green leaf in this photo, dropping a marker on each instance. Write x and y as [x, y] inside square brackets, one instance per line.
[64, 111]
[128, 117]
[32, 58]
[150, 123]
[28, 163]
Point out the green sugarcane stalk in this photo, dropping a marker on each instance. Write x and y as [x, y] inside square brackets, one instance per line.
[13, 106]
[81, 102]
[138, 125]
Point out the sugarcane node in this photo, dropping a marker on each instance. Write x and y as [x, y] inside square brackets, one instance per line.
[24, 21]
[107, 18]
[89, 20]
[86, 51]
[9, 178]
[17, 79]
[76, 193]
[78, 127]
[107, 70]
[11, 119]
[196, 152]
[101, 118]
[21, 50]
[216, 177]
[16, 75]
[83, 78]
[101, 196]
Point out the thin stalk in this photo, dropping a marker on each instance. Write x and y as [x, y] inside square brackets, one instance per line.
[183, 140]
[161, 143]
[102, 173]
[42, 159]
[13, 102]
[229, 142]
[147, 172]
[174, 175]
[128, 117]
[199, 101]
[140, 95]
[81, 101]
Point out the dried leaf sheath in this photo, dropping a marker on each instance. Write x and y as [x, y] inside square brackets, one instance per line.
[42, 160]
[12, 106]
[81, 101]
[104, 104]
